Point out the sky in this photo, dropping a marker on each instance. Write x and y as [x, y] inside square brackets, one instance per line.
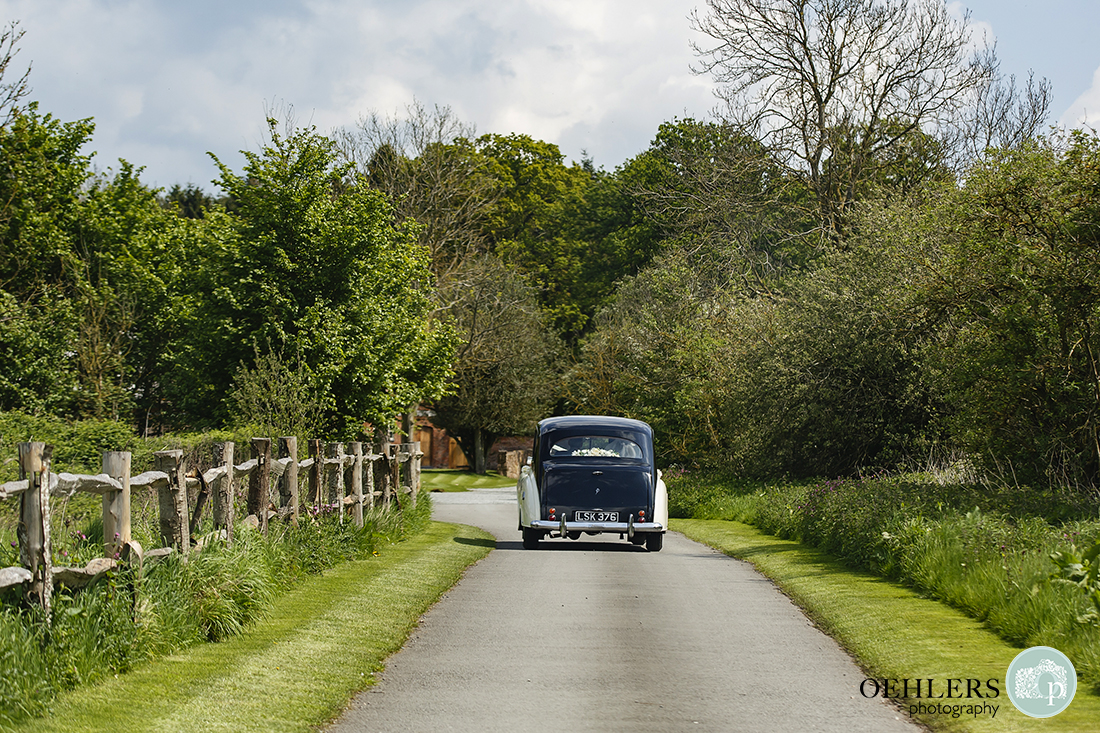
[168, 81]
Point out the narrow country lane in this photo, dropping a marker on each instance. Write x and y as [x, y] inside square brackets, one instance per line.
[599, 635]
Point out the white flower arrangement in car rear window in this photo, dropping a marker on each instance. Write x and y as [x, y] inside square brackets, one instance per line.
[601, 452]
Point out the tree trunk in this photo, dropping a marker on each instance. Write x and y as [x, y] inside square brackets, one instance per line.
[479, 451]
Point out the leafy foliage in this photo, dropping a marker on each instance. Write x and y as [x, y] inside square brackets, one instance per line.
[318, 269]
[1017, 298]
[431, 170]
[648, 357]
[506, 367]
[528, 226]
[277, 397]
[826, 380]
[1081, 568]
[78, 445]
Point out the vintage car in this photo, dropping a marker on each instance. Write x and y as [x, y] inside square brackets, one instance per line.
[592, 475]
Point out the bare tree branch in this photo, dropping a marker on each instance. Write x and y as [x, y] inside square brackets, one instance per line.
[426, 163]
[832, 85]
[11, 92]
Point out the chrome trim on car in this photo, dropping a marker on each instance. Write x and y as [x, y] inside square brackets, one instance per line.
[564, 526]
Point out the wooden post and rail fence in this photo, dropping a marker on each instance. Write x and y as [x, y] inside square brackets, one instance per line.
[340, 477]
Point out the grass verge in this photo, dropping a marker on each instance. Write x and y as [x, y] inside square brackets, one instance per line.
[889, 629]
[458, 479]
[294, 669]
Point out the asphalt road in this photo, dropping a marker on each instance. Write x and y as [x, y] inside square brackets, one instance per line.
[599, 635]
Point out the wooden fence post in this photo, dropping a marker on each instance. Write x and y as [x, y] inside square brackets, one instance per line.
[414, 470]
[335, 477]
[408, 457]
[116, 504]
[382, 474]
[223, 493]
[174, 524]
[395, 475]
[34, 522]
[259, 483]
[288, 484]
[368, 477]
[315, 473]
[357, 482]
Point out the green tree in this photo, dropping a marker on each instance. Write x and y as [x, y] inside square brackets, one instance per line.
[42, 172]
[430, 170]
[528, 226]
[710, 188]
[42, 177]
[318, 269]
[606, 219]
[189, 202]
[278, 396]
[650, 355]
[507, 365]
[1014, 295]
[136, 262]
[826, 378]
[92, 265]
[37, 378]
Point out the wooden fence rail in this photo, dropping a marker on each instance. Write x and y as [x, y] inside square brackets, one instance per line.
[341, 478]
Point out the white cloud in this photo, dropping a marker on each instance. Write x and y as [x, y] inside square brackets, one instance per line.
[1085, 110]
[167, 82]
[981, 32]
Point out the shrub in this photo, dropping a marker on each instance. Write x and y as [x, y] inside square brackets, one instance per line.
[984, 550]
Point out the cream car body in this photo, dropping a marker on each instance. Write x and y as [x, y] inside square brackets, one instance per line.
[592, 475]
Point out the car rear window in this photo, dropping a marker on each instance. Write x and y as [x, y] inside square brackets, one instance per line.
[595, 446]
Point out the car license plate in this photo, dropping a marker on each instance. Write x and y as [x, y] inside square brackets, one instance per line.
[597, 516]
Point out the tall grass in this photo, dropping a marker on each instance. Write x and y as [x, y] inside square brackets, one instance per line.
[984, 551]
[130, 618]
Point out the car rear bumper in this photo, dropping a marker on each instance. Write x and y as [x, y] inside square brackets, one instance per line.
[627, 528]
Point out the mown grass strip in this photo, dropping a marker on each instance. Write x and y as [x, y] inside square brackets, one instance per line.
[891, 630]
[457, 479]
[296, 668]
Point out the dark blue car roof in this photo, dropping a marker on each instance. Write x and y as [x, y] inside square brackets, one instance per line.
[588, 422]
[621, 427]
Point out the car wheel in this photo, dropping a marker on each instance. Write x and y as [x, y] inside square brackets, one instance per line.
[531, 538]
[654, 541]
[638, 539]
